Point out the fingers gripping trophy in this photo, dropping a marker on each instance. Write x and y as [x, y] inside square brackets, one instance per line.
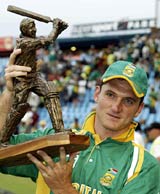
[33, 82]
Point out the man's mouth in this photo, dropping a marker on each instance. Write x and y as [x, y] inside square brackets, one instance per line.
[114, 116]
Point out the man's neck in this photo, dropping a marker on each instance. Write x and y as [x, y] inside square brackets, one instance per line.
[105, 133]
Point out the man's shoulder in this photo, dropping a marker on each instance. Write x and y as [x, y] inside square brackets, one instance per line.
[150, 160]
[145, 157]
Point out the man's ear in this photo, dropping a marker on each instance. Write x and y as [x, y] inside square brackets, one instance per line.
[141, 106]
[96, 93]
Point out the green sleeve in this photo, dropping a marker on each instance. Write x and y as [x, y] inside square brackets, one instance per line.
[22, 137]
[25, 170]
[147, 182]
[29, 171]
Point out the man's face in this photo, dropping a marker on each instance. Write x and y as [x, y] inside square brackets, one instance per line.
[117, 105]
[31, 32]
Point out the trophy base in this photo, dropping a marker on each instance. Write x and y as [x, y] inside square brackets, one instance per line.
[13, 155]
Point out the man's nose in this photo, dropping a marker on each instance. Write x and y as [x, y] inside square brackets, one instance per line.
[117, 105]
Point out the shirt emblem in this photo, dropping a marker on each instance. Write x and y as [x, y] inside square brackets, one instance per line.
[108, 177]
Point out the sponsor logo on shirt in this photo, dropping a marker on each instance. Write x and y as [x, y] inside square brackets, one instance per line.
[108, 177]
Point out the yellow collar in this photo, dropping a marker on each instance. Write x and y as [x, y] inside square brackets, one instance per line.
[125, 137]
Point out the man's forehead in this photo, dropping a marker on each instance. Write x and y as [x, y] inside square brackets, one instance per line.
[120, 85]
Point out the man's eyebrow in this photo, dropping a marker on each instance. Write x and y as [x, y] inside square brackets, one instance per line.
[109, 90]
[132, 98]
[129, 97]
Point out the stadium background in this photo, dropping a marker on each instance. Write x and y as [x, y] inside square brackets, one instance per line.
[75, 63]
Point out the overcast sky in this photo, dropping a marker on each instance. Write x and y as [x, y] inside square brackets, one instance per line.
[74, 12]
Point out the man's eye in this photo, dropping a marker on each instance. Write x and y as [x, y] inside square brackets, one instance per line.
[129, 101]
[109, 94]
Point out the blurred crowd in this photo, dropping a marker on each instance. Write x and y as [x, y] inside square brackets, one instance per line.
[76, 71]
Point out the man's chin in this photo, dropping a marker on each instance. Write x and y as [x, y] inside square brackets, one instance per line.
[112, 127]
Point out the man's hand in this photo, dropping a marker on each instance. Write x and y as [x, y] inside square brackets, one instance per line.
[6, 97]
[57, 175]
[14, 70]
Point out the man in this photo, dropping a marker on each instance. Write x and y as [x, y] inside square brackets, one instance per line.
[33, 82]
[153, 136]
[112, 164]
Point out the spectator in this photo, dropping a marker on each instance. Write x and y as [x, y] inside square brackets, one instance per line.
[42, 125]
[138, 136]
[153, 135]
[75, 125]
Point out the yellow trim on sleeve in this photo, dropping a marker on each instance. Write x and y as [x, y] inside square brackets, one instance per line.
[139, 163]
[42, 187]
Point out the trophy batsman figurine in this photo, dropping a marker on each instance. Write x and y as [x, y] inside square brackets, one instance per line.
[33, 82]
[10, 154]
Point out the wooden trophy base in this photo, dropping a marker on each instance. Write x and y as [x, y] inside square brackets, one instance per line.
[13, 155]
